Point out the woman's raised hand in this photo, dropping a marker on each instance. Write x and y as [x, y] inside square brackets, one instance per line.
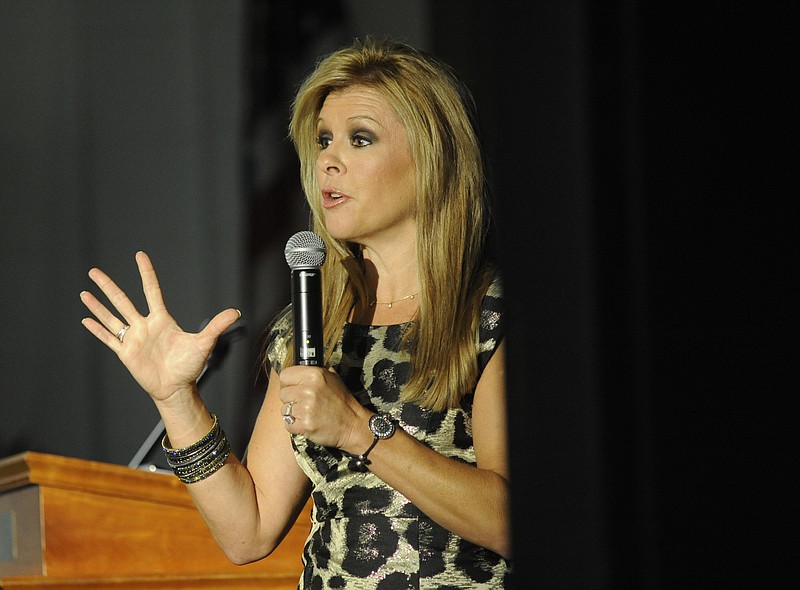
[164, 360]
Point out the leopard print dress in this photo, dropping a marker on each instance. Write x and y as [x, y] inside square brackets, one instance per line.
[364, 534]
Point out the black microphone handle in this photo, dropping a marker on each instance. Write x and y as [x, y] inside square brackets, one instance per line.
[307, 316]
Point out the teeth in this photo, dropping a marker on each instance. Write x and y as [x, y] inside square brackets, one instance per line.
[336, 196]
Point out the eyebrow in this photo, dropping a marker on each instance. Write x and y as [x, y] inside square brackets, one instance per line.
[356, 118]
[364, 118]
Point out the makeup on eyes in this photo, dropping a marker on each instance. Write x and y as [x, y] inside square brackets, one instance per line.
[357, 138]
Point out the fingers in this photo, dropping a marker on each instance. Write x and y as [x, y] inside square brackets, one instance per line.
[102, 334]
[308, 376]
[116, 296]
[108, 319]
[302, 388]
[107, 326]
[316, 404]
[221, 322]
[289, 419]
[150, 284]
[294, 397]
[120, 301]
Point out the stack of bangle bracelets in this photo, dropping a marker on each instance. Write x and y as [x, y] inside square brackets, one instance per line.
[201, 459]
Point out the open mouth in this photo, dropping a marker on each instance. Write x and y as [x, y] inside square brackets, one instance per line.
[331, 198]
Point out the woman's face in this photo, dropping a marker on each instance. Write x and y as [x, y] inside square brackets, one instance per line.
[365, 170]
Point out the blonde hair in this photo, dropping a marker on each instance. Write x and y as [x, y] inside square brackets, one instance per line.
[452, 210]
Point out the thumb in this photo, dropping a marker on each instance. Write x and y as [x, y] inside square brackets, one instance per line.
[220, 322]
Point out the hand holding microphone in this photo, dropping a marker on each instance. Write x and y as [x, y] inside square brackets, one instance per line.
[316, 402]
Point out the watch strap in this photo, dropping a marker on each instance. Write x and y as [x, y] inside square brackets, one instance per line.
[361, 462]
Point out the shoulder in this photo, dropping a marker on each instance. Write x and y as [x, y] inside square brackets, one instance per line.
[491, 327]
[493, 299]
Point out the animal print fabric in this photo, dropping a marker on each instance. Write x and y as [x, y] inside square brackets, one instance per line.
[366, 535]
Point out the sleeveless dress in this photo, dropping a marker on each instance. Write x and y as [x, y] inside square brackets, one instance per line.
[364, 534]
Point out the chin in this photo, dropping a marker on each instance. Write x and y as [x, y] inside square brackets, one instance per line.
[340, 233]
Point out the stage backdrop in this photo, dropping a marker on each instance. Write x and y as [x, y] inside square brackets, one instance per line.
[122, 131]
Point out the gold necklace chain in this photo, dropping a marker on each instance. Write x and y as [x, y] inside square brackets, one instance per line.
[389, 304]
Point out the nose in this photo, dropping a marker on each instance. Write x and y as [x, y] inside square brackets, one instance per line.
[329, 162]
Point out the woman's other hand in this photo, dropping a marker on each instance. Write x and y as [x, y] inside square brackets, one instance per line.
[164, 360]
[322, 409]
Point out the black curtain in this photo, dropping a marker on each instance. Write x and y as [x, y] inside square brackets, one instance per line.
[644, 162]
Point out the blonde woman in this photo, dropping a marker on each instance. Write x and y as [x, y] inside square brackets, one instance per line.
[401, 439]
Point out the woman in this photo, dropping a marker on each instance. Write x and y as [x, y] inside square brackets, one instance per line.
[402, 440]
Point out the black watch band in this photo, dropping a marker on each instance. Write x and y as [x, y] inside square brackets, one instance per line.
[382, 427]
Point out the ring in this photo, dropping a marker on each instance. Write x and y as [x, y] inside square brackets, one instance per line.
[287, 413]
[121, 333]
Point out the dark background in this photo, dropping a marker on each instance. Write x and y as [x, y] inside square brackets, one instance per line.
[644, 160]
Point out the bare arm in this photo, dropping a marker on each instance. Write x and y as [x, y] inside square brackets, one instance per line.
[250, 509]
[248, 519]
[472, 502]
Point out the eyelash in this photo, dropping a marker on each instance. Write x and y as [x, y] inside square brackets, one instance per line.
[357, 140]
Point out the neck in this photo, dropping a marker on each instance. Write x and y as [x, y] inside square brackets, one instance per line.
[392, 280]
[392, 274]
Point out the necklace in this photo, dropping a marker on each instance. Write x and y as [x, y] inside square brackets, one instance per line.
[389, 304]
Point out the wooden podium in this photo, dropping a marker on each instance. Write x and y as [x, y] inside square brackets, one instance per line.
[67, 524]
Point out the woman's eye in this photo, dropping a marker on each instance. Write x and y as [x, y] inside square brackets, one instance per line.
[359, 140]
[356, 140]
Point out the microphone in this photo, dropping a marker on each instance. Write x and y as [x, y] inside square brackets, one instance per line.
[305, 253]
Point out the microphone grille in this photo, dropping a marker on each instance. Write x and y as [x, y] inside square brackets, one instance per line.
[305, 249]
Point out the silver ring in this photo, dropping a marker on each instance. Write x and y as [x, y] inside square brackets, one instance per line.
[287, 413]
[121, 333]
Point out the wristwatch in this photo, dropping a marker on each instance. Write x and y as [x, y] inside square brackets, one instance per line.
[382, 427]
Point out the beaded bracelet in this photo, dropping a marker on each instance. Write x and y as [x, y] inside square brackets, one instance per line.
[187, 455]
[201, 459]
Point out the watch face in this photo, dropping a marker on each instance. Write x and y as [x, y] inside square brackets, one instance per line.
[381, 425]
